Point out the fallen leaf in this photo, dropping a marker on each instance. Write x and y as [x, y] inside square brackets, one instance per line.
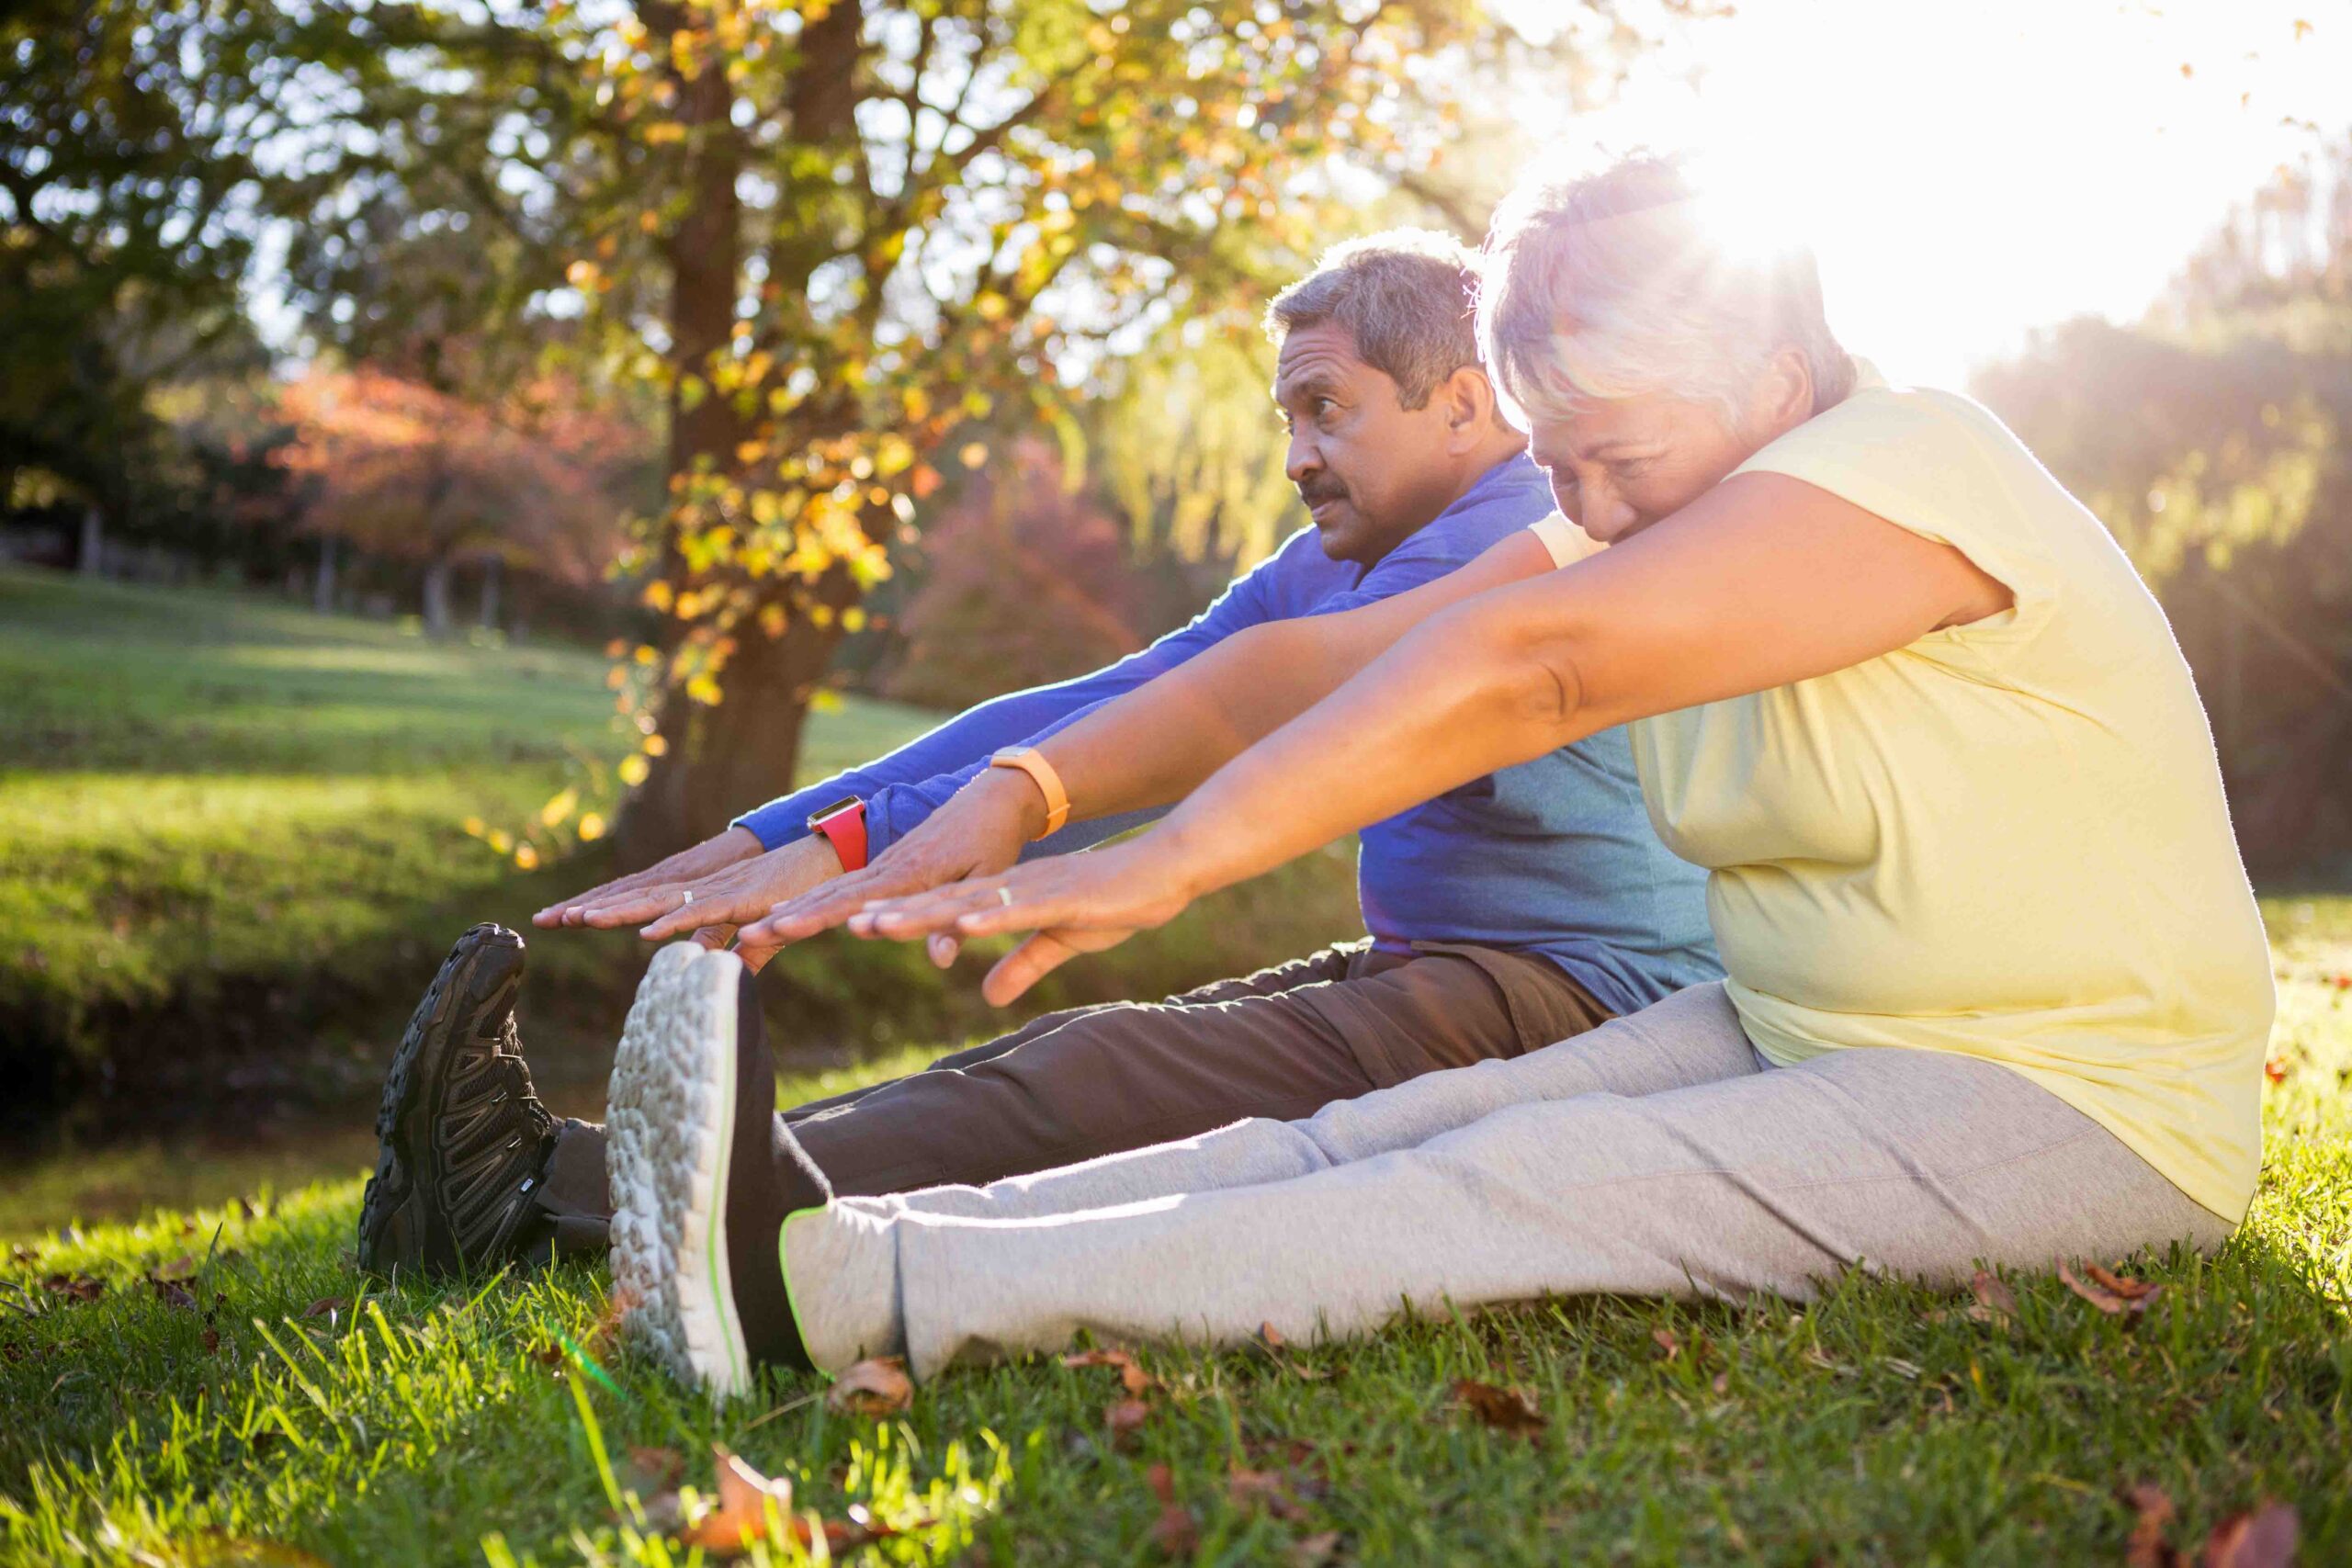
[212, 1341]
[2275, 1069]
[327, 1307]
[2152, 1511]
[179, 1267]
[1667, 1342]
[1271, 1336]
[861, 1528]
[1314, 1550]
[75, 1287]
[1995, 1304]
[876, 1386]
[650, 1471]
[1162, 1482]
[2129, 1302]
[1506, 1409]
[171, 1293]
[1721, 1385]
[1132, 1376]
[23, 1256]
[739, 1516]
[1262, 1489]
[2263, 1539]
[1125, 1419]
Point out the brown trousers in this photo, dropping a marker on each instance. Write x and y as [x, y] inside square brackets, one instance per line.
[1280, 1044]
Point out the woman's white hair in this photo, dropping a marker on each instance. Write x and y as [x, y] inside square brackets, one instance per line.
[1622, 283]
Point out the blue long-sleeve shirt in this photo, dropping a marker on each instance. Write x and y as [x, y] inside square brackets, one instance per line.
[1554, 857]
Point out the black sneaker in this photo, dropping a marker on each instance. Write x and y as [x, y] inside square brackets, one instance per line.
[703, 1175]
[464, 1140]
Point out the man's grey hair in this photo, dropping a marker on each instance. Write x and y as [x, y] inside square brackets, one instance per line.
[1622, 283]
[1406, 297]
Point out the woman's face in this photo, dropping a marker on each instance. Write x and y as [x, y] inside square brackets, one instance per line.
[1618, 465]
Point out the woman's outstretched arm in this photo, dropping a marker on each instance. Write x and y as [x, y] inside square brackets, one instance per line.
[1763, 580]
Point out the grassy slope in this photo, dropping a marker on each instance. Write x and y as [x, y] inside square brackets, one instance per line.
[435, 1427]
[230, 826]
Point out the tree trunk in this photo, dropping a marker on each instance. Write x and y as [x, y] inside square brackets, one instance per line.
[92, 561]
[436, 596]
[323, 589]
[725, 759]
[489, 595]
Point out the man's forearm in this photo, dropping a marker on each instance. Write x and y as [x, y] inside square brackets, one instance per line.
[1156, 744]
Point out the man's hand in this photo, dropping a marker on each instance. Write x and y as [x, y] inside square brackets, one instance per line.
[723, 898]
[978, 831]
[685, 866]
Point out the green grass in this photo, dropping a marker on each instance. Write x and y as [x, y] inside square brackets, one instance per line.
[232, 846]
[425, 1425]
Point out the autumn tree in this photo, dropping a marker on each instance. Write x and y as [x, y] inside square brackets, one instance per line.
[402, 470]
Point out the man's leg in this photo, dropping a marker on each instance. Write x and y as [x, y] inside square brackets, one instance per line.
[1331, 963]
[574, 1194]
[1131, 1074]
[1915, 1163]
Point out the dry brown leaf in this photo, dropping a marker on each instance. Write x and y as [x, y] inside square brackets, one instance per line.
[876, 1386]
[2152, 1511]
[171, 1293]
[1271, 1336]
[2125, 1298]
[1665, 1341]
[649, 1471]
[1263, 1489]
[1314, 1550]
[1505, 1409]
[1995, 1304]
[75, 1287]
[180, 1268]
[1173, 1532]
[739, 1516]
[2263, 1539]
[327, 1306]
[1125, 1419]
[1131, 1376]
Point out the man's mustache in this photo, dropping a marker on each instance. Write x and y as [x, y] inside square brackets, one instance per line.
[1315, 495]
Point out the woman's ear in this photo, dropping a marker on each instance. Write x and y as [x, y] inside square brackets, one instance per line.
[1784, 395]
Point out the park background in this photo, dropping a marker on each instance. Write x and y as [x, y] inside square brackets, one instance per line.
[448, 453]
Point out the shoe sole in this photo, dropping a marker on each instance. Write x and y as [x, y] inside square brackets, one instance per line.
[672, 1131]
[396, 1164]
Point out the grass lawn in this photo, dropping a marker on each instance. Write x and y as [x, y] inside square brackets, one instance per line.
[263, 1394]
[232, 851]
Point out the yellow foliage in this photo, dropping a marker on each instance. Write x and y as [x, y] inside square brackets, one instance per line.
[633, 770]
[562, 806]
[591, 828]
[526, 858]
[659, 745]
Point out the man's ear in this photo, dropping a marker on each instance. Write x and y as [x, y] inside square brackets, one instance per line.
[1468, 399]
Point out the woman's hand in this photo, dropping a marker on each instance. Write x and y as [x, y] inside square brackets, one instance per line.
[1070, 903]
[978, 833]
[724, 896]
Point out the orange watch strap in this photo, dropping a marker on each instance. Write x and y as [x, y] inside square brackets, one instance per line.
[1031, 760]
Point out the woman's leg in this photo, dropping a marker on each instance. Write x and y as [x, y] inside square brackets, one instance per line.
[1691, 1038]
[1913, 1163]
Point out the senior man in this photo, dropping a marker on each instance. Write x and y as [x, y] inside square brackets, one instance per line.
[1526, 907]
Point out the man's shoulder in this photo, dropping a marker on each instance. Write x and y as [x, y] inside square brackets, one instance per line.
[1511, 496]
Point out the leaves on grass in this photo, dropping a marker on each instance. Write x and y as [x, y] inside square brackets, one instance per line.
[180, 1268]
[1272, 1340]
[1174, 1532]
[328, 1307]
[1263, 1489]
[1132, 1376]
[1505, 1409]
[739, 1516]
[876, 1386]
[2111, 1293]
[75, 1287]
[171, 1293]
[2263, 1539]
[1314, 1550]
[1666, 1340]
[1123, 1419]
[1996, 1302]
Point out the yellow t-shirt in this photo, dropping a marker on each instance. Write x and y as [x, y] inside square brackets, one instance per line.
[2006, 839]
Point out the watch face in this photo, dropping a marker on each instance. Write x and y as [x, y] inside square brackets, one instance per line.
[845, 803]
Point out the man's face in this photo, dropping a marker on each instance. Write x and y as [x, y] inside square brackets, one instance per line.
[1370, 470]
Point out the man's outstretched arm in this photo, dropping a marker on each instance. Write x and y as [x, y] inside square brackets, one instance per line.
[1150, 748]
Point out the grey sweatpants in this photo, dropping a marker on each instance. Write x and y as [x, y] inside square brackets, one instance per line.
[1658, 1155]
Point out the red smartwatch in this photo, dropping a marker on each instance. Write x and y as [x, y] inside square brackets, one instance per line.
[843, 824]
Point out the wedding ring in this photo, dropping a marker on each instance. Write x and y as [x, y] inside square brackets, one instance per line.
[685, 897]
[1004, 895]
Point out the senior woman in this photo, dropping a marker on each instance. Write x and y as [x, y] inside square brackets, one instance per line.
[1998, 991]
